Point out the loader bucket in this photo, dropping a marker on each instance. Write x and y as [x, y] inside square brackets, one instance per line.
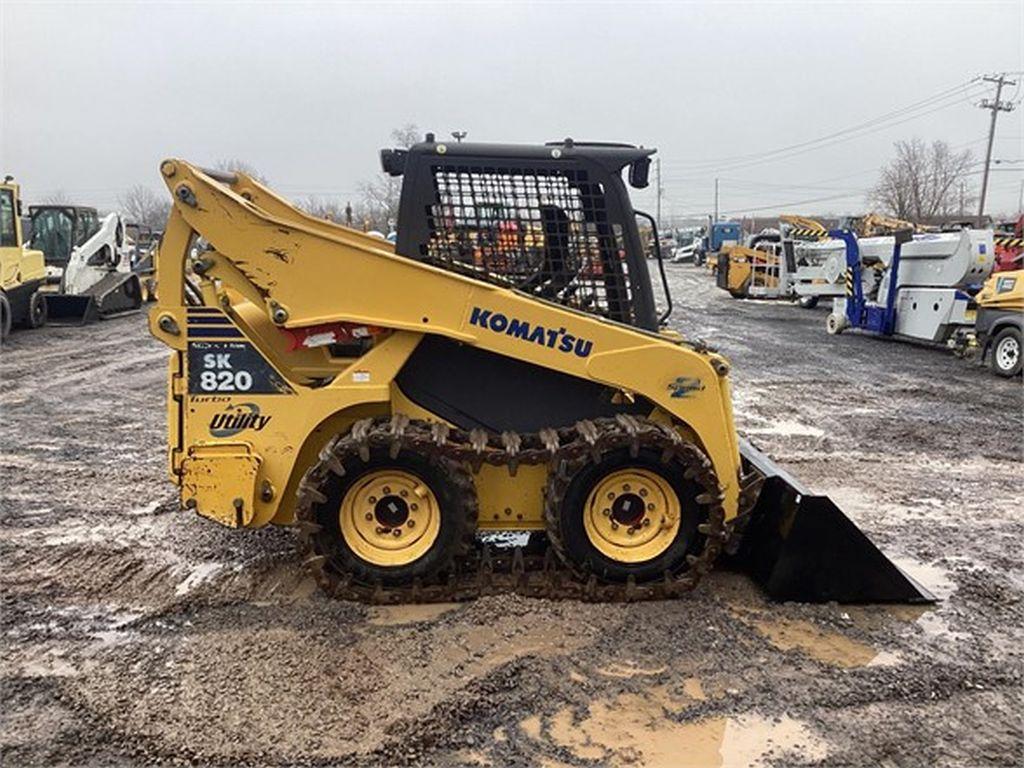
[801, 547]
[68, 309]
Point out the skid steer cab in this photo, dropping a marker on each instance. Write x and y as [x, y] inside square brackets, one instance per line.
[502, 369]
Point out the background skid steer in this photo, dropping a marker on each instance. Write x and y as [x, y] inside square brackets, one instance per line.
[503, 368]
[89, 274]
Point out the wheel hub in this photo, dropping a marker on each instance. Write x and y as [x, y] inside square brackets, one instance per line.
[1008, 353]
[390, 517]
[628, 509]
[391, 511]
[632, 515]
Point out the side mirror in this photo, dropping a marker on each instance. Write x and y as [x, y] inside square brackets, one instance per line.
[639, 171]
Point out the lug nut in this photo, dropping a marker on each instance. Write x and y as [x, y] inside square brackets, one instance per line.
[411, 523]
[625, 487]
[369, 515]
[631, 530]
[397, 532]
[403, 493]
[387, 489]
[650, 507]
[615, 526]
[647, 521]
[414, 507]
[372, 499]
[643, 493]
[508, 510]
[606, 512]
[611, 496]
[380, 530]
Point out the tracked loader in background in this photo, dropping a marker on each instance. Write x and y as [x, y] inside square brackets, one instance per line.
[503, 368]
[88, 263]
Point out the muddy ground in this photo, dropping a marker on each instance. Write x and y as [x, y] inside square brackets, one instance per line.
[137, 634]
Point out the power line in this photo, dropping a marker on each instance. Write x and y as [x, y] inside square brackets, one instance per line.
[791, 204]
[962, 91]
[797, 153]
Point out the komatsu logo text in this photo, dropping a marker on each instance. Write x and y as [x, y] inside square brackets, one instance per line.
[553, 338]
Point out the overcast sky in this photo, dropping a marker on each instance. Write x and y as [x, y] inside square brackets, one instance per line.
[94, 95]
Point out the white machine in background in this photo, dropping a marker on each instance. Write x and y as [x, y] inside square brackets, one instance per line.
[88, 263]
[917, 286]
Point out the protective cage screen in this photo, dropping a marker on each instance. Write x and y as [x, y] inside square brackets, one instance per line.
[543, 232]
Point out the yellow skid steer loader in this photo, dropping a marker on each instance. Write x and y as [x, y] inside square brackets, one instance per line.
[503, 368]
[22, 269]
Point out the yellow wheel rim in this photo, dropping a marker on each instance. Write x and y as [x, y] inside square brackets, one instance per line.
[632, 515]
[390, 518]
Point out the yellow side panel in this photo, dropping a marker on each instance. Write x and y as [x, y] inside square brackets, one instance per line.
[219, 482]
[511, 503]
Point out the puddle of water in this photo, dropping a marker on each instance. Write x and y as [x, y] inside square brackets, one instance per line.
[693, 688]
[147, 509]
[629, 669]
[825, 646]
[395, 615]
[633, 730]
[934, 578]
[200, 574]
[787, 429]
[531, 727]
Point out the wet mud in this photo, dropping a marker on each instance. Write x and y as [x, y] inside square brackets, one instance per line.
[137, 634]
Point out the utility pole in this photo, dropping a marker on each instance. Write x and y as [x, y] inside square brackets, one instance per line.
[995, 106]
[657, 181]
[716, 198]
[961, 214]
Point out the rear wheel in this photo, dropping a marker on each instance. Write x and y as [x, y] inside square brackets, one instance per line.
[808, 302]
[394, 520]
[1006, 352]
[628, 516]
[835, 324]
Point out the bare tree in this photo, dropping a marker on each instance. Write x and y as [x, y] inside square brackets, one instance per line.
[406, 136]
[924, 181]
[327, 208]
[57, 197]
[144, 206]
[231, 165]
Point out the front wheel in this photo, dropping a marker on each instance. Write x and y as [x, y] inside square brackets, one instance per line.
[808, 302]
[1006, 357]
[37, 314]
[835, 324]
[631, 517]
[5, 317]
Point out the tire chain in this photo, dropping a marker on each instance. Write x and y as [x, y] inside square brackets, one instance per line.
[482, 569]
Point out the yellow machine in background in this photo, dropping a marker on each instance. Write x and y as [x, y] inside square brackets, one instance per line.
[22, 270]
[999, 324]
[502, 369]
[766, 267]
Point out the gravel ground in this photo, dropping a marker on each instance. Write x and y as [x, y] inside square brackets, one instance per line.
[133, 633]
